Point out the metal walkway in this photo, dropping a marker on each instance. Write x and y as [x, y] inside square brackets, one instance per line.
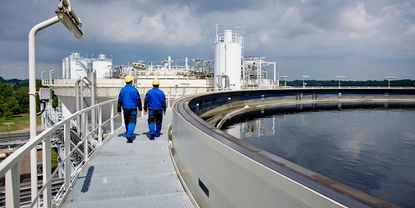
[138, 174]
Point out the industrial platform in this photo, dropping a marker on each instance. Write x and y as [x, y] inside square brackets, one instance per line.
[138, 174]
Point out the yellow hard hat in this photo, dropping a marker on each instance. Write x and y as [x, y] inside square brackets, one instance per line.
[128, 79]
[155, 82]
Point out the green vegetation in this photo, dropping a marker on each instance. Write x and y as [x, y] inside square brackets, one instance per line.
[21, 122]
[14, 107]
[54, 157]
[14, 104]
[344, 83]
[14, 97]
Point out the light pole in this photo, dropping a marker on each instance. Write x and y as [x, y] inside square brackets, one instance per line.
[50, 76]
[305, 77]
[217, 37]
[340, 78]
[8, 128]
[285, 80]
[67, 16]
[41, 76]
[389, 78]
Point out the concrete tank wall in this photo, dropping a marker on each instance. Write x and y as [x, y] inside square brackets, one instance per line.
[223, 171]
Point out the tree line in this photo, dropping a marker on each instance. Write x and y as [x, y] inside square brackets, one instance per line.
[346, 83]
[14, 97]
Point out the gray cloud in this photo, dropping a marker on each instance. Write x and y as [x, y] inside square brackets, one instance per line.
[360, 39]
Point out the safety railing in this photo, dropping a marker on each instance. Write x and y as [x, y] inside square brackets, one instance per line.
[92, 135]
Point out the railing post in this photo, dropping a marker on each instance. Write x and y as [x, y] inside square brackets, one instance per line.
[13, 186]
[85, 135]
[168, 98]
[100, 125]
[112, 119]
[47, 193]
[66, 143]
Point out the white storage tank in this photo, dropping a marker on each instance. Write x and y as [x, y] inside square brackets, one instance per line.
[102, 66]
[77, 66]
[227, 67]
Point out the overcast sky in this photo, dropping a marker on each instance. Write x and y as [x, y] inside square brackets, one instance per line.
[362, 40]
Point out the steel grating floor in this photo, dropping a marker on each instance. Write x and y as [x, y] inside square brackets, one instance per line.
[138, 174]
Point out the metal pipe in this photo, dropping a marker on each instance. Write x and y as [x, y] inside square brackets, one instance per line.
[81, 94]
[79, 97]
[226, 81]
[78, 119]
[32, 101]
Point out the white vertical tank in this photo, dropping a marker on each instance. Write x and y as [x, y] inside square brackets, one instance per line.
[227, 67]
[102, 66]
[75, 66]
[66, 68]
[78, 66]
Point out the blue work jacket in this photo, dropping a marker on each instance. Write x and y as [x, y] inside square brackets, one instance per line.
[129, 98]
[155, 100]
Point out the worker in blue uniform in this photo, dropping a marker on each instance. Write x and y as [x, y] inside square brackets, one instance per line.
[129, 100]
[155, 103]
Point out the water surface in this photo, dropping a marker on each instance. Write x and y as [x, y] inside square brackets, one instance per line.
[370, 150]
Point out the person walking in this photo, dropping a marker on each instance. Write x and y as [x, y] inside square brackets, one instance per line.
[155, 103]
[129, 100]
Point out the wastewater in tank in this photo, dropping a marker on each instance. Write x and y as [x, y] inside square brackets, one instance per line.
[372, 150]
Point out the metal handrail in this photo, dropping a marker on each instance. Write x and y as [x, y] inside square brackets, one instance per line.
[9, 168]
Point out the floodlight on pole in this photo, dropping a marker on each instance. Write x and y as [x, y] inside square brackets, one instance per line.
[217, 37]
[305, 77]
[66, 15]
[69, 19]
[389, 78]
[50, 76]
[340, 78]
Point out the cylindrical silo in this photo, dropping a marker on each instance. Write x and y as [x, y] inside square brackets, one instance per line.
[78, 66]
[102, 66]
[227, 66]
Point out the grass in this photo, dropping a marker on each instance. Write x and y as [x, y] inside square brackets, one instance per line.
[54, 157]
[21, 122]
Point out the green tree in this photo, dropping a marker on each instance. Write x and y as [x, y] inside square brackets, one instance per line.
[12, 105]
[8, 114]
[55, 101]
[6, 92]
[22, 97]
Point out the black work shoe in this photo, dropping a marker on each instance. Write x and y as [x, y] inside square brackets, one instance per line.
[152, 137]
[129, 140]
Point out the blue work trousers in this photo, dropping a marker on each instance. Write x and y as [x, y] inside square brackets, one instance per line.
[130, 120]
[155, 118]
